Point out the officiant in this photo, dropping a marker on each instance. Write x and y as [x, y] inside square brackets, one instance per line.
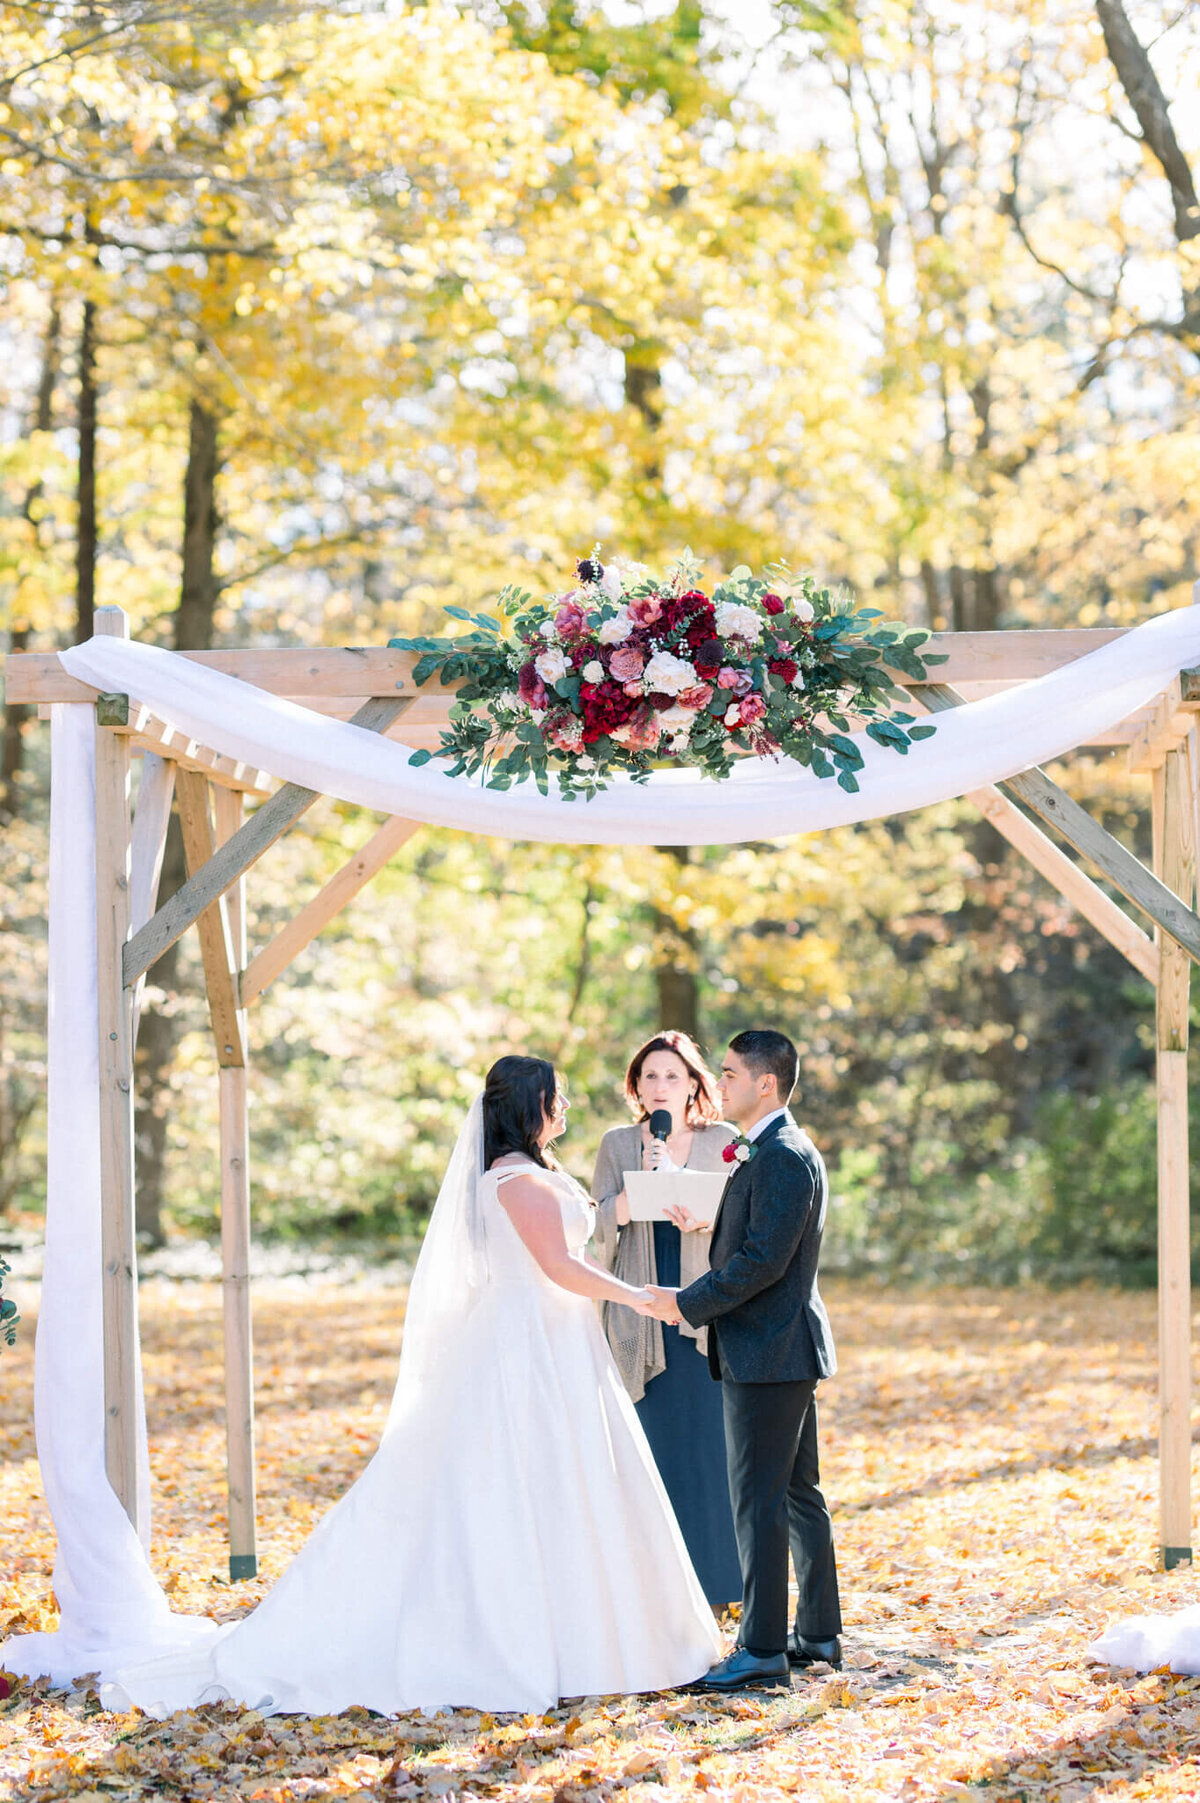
[665, 1369]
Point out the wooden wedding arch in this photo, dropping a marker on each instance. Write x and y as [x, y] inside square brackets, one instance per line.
[375, 689]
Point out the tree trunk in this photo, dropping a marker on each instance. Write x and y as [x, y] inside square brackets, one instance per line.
[12, 752]
[194, 618]
[1143, 91]
[675, 969]
[198, 589]
[85, 538]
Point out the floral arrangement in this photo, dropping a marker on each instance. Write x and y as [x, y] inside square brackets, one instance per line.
[9, 1318]
[738, 1151]
[629, 672]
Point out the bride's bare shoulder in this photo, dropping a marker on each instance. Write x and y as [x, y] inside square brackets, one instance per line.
[519, 1180]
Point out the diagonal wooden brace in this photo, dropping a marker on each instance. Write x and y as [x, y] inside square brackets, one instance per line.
[222, 870]
[1074, 824]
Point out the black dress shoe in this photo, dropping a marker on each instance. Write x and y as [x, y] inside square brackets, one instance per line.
[801, 1651]
[746, 1671]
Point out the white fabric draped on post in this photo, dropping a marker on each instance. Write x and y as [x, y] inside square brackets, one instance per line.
[113, 1611]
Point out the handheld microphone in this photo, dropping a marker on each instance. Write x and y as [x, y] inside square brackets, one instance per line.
[660, 1124]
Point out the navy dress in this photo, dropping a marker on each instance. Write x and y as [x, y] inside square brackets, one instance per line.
[682, 1416]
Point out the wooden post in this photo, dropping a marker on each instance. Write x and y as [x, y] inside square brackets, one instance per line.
[118, 1246]
[1174, 823]
[235, 1243]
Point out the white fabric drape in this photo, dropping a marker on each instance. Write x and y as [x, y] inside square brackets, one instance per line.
[973, 746]
[107, 1593]
[113, 1612]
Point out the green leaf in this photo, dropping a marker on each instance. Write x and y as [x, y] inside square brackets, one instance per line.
[921, 732]
[848, 782]
[418, 758]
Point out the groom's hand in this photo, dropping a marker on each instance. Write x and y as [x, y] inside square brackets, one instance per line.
[664, 1304]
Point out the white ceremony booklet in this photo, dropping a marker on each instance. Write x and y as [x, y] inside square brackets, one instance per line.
[651, 1193]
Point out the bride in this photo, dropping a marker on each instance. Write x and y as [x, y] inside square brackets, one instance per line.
[511, 1542]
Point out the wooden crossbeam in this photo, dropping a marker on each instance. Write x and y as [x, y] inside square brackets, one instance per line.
[274, 958]
[1076, 826]
[1071, 882]
[38, 676]
[221, 871]
[1168, 724]
[216, 942]
[150, 822]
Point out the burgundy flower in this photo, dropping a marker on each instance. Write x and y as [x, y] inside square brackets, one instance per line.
[603, 705]
[530, 686]
[773, 604]
[626, 663]
[660, 702]
[708, 656]
[784, 667]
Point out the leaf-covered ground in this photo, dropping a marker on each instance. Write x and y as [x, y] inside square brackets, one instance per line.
[989, 1458]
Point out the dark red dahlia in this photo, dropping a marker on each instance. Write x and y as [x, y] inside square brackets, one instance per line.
[773, 604]
[530, 686]
[603, 705]
[785, 667]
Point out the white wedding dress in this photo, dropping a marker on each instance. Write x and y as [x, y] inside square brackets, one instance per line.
[1145, 1643]
[510, 1542]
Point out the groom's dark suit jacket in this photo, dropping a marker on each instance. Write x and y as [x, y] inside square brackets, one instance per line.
[760, 1298]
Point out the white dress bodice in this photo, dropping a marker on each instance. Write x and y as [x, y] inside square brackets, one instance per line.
[509, 1260]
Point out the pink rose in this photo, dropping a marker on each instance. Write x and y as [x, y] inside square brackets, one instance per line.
[530, 686]
[640, 733]
[646, 611]
[565, 732]
[571, 620]
[737, 680]
[696, 698]
[753, 708]
[626, 662]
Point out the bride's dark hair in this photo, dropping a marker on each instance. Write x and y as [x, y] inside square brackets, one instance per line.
[518, 1094]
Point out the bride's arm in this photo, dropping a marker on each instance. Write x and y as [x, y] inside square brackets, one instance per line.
[531, 1204]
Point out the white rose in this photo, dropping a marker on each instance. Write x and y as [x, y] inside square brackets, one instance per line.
[736, 621]
[616, 630]
[678, 721]
[798, 680]
[593, 671]
[547, 629]
[742, 1154]
[551, 665]
[733, 715]
[610, 582]
[510, 701]
[804, 611]
[667, 674]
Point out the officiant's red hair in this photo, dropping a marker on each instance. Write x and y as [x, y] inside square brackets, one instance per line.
[704, 1103]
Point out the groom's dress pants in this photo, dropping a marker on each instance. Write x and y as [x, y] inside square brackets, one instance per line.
[774, 1485]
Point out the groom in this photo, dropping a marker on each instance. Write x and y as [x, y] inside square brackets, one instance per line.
[769, 1343]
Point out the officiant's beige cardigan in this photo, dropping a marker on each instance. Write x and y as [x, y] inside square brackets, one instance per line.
[628, 1252]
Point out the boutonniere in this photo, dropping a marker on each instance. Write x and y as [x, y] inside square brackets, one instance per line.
[738, 1151]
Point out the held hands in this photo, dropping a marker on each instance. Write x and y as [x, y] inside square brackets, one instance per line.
[661, 1304]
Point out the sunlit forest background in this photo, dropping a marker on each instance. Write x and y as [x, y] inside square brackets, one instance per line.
[317, 318]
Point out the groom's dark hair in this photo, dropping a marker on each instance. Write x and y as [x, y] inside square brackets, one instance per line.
[518, 1094]
[765, 1052]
